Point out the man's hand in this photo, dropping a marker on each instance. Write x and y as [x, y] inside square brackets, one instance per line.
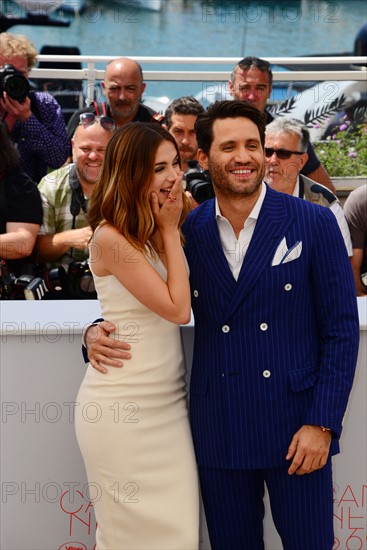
[361, 289]
[16, 110]
[309, 450]
[79, 237]
[102, 349]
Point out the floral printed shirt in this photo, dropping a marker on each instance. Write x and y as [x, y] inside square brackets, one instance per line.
[42, 140]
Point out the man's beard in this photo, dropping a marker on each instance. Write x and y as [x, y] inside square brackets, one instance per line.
[123, 110]
[188, 154]
[88, 174]
[226, 185]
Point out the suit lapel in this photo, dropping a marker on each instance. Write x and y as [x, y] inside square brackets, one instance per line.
[209, 250]
[270, 228]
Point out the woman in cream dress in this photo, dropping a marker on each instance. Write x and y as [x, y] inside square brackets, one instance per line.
[132, 423]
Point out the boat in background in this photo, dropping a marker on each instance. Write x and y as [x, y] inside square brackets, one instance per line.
[45, 7]
[151, 5]
[73, 6]
[40, 7]
[30, 13]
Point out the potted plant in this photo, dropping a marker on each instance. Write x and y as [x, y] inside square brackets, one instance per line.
[344, 155]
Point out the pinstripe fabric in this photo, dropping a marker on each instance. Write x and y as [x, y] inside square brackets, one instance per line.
[302, 508]
[273, 351]
[297, 320]
[234, 508]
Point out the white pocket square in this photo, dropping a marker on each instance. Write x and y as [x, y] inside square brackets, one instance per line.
[283, 254]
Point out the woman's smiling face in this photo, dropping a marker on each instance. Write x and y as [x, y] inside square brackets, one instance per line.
[166, 170]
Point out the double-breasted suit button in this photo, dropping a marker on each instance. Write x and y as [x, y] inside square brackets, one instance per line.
[264, 326]
[266, 373]
[288, 287]
[225, 328]
[196, 293]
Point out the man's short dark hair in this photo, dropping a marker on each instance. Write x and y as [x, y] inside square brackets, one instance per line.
[252, 62]
[186, 105]
[232, 108]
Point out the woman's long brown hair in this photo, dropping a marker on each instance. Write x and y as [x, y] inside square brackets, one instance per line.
[121, 195]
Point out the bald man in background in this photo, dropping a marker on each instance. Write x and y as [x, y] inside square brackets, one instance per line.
[123, 87]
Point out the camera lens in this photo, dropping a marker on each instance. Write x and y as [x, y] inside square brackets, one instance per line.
[17, 87]
[87, 283]
[198, 183]
[203, 192]
[14, 83]
[81, 283]
[55, 278]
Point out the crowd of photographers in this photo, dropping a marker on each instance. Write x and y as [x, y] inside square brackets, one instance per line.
[48, 170]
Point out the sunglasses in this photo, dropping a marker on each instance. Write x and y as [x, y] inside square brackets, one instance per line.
[282, 154]
[248, 62]
[107, 123]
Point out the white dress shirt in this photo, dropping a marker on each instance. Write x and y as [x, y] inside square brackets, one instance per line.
[235, 249]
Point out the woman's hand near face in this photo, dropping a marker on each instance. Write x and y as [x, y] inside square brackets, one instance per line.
[167, 216]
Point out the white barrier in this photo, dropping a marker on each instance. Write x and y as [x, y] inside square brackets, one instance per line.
[217, 69]
[46, 503]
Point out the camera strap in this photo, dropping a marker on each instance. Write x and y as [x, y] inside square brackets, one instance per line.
[78, 200]
[97, 110]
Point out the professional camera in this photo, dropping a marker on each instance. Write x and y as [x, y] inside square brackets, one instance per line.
[13, 83]
[198, 182]
[30, 286]
[81, 283]
[7, 279]
[53, 280]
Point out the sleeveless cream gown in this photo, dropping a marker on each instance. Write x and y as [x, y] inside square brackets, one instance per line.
[133, 431]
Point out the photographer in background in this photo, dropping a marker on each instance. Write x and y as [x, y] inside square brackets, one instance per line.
[20, 208]
[180, 118]
[286, 144]
[34, 119]
[252, 80]
[65, 233]
[123, 87]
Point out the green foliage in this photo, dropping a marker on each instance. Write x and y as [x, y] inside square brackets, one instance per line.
[344, 153]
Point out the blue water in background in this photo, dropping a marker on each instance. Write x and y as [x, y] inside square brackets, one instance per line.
[198, 28]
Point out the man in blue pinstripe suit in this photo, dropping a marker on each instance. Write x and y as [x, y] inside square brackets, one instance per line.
[276, 342]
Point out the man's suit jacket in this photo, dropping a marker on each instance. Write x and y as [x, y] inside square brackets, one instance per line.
[276, 349]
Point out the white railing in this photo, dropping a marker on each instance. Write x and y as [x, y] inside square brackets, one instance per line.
[91, 74]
